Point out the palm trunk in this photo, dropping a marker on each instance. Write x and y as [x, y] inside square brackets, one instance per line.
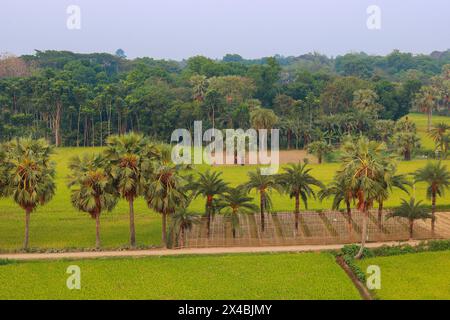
[433, 213]
[97, 232]
[262, 210]
[363, 233]
[208, 215]
[297, 211]
[349, 217]
[181, 244]
[164, 229]
[411, 229]
[27, 228]
[380, 213]
[132, 228]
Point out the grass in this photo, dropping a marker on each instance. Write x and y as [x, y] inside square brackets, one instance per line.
[246, 276]
[423, 276]
[58, 225]
[421, 122]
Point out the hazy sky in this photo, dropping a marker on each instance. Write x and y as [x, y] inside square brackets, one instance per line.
[179, 29]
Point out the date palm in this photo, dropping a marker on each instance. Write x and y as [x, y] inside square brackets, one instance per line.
[182, 221]
[29, 176]
[92, 189]
[165, 192]
[130, 158]
[437, 177]
[412, 211]
[297, 181]
[209, 185]
[364, 169]
[341, 190]
[234, 203]
[263, 185]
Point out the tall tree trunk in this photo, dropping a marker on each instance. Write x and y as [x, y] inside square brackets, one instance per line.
[289, 135]
[349, 217]
[57, 124]
[411, 229]
[433, 212]
[78, 127]
[208, 215]
[97, 231]
[380, 213]
[27, 228]
[132, 228]
[297, 211]
[181, 243]
[363, 233]
[261, 199]
[164, 229]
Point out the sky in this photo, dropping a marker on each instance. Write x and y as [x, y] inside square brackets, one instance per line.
[178, 29]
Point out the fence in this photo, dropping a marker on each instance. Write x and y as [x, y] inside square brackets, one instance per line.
[315, 228]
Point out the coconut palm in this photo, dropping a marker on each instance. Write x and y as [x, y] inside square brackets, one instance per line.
[263, 184]
[234, 203]
[412, 211]
[209, 185]
[363, 168]
[93, 190]
[437, 177]
[342, 191]
[297, 181]
[182, 221]
[29, 176]
[165, 191]
[319, 149]
[390, 180]
[130, 159]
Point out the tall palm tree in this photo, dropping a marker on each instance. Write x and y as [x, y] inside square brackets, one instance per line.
[390, 180]
[209, 185]
[130, 158]
[165, 192]
[263, 184]
[425, 101]
[436, 175]
[341, 190]
[29, 176]
[234, 203]
[182, 221]
[297, 181]
[94, 191]
[412, 211]
[363, 167]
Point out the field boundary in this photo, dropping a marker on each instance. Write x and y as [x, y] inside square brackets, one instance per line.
[179, 252]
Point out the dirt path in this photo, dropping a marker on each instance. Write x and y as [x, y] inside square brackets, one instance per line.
[167, 252]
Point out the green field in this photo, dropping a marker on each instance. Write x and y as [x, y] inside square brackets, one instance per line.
[256, 276]
[58, 225]
[423, 276]
[421, 122]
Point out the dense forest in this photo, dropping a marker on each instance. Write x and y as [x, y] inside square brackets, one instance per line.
[79, 99]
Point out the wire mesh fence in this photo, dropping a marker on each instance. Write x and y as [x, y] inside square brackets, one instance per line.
[314, 228]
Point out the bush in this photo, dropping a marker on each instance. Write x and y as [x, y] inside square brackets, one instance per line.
[4, 262]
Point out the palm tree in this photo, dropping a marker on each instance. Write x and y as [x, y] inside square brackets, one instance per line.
[437, 177]
[438, 134]
[209, 185]
[199, 85]
[263, 184]
[236, 202]
[297, 181]
[405, 143]
[183, 221]
[29, 176]
[363, 168]
[94, 191]
[389, 181]
[130, 159]
[425, 101]
[319, 149]
[412, 211]
[342, 191]
[165, 192]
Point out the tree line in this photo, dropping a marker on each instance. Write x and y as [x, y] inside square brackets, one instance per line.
[133, 166]
[81, 99]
